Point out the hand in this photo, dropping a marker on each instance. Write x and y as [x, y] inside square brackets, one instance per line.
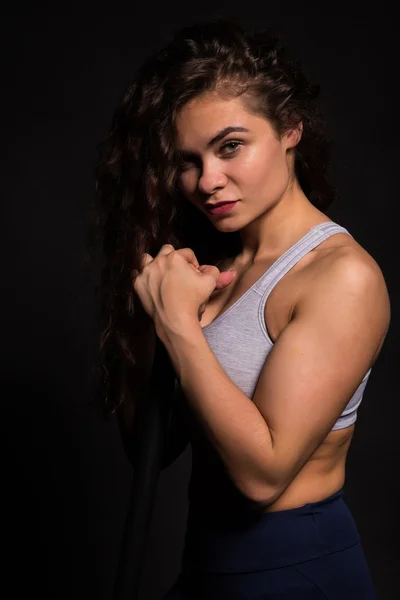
[224, 280]
[174, 289]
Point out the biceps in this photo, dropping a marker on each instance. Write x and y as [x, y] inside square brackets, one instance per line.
[309, 377]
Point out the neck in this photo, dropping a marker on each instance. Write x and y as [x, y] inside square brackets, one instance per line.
[280, 227]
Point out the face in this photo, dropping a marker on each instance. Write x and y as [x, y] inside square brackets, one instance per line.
[246, 162]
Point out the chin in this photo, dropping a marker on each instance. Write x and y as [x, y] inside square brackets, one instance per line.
[227, 227]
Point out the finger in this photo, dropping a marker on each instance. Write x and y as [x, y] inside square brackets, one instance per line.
[166, 249]
[145, 260]
[190, 257]
[210, 270]
[223, 278]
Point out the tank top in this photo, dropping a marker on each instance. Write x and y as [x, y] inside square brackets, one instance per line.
[239, 338]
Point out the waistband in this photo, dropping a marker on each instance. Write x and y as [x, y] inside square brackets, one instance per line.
[269, 540]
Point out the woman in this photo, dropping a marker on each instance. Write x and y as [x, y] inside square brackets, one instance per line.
[266, 391]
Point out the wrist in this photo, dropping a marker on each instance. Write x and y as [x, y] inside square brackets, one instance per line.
[177, 329]
[178, 339]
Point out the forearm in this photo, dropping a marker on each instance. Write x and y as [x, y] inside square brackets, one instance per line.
[230, 419]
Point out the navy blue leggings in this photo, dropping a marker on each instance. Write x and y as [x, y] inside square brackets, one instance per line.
[311, 552]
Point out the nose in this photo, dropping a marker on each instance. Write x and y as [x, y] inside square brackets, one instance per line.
[211, 179]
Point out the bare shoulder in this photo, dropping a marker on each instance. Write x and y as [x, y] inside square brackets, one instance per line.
[342, 257]
[343, 268]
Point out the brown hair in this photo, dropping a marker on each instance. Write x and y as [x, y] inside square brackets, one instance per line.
[137, 206]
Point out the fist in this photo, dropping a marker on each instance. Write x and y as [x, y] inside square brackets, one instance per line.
[174, 289]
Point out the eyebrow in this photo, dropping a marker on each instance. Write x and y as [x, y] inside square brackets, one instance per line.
[217, 137]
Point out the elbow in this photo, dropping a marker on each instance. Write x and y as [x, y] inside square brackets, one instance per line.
[262, 496]
[260, 489]
[266, 490]
[262, 499]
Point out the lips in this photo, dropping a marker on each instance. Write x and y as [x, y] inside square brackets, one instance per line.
[210, 206]
[221, 208]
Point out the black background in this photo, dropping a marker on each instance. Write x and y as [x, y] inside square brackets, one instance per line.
[65, 478]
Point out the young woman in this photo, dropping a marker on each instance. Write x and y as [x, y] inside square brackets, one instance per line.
[212, 187]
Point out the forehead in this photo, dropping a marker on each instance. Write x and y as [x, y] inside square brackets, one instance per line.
[198, 119]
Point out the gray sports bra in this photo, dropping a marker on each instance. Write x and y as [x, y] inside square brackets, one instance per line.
[239, 338]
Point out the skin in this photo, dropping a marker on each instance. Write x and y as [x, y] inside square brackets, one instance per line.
[332, 301]
[258, 170]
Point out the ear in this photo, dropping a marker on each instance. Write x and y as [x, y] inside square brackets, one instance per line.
[293, 136]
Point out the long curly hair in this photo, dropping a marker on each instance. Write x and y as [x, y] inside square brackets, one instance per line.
[137, 206]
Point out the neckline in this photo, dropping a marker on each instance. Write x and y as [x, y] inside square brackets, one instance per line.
[265, 274]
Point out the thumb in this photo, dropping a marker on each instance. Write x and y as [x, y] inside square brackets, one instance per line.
[225, 278]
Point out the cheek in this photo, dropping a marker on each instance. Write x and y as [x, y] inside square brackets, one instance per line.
[261, 156]
[257, 166]
[267, 171]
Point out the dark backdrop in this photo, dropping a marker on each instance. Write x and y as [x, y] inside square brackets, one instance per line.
[65, 478]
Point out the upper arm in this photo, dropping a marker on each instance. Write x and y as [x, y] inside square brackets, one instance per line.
[319, 360]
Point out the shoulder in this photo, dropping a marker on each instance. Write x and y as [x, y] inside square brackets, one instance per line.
[344, 270]
[346, 261]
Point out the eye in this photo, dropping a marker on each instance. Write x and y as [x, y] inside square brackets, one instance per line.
[186, 164]
[182, 167]
[231, 143]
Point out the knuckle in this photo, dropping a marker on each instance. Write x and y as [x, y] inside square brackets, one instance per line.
[181, 251]
[215, 270]
[135, 278]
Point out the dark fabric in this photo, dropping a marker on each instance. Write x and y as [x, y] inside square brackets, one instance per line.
[145, 450]
[313, 551]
